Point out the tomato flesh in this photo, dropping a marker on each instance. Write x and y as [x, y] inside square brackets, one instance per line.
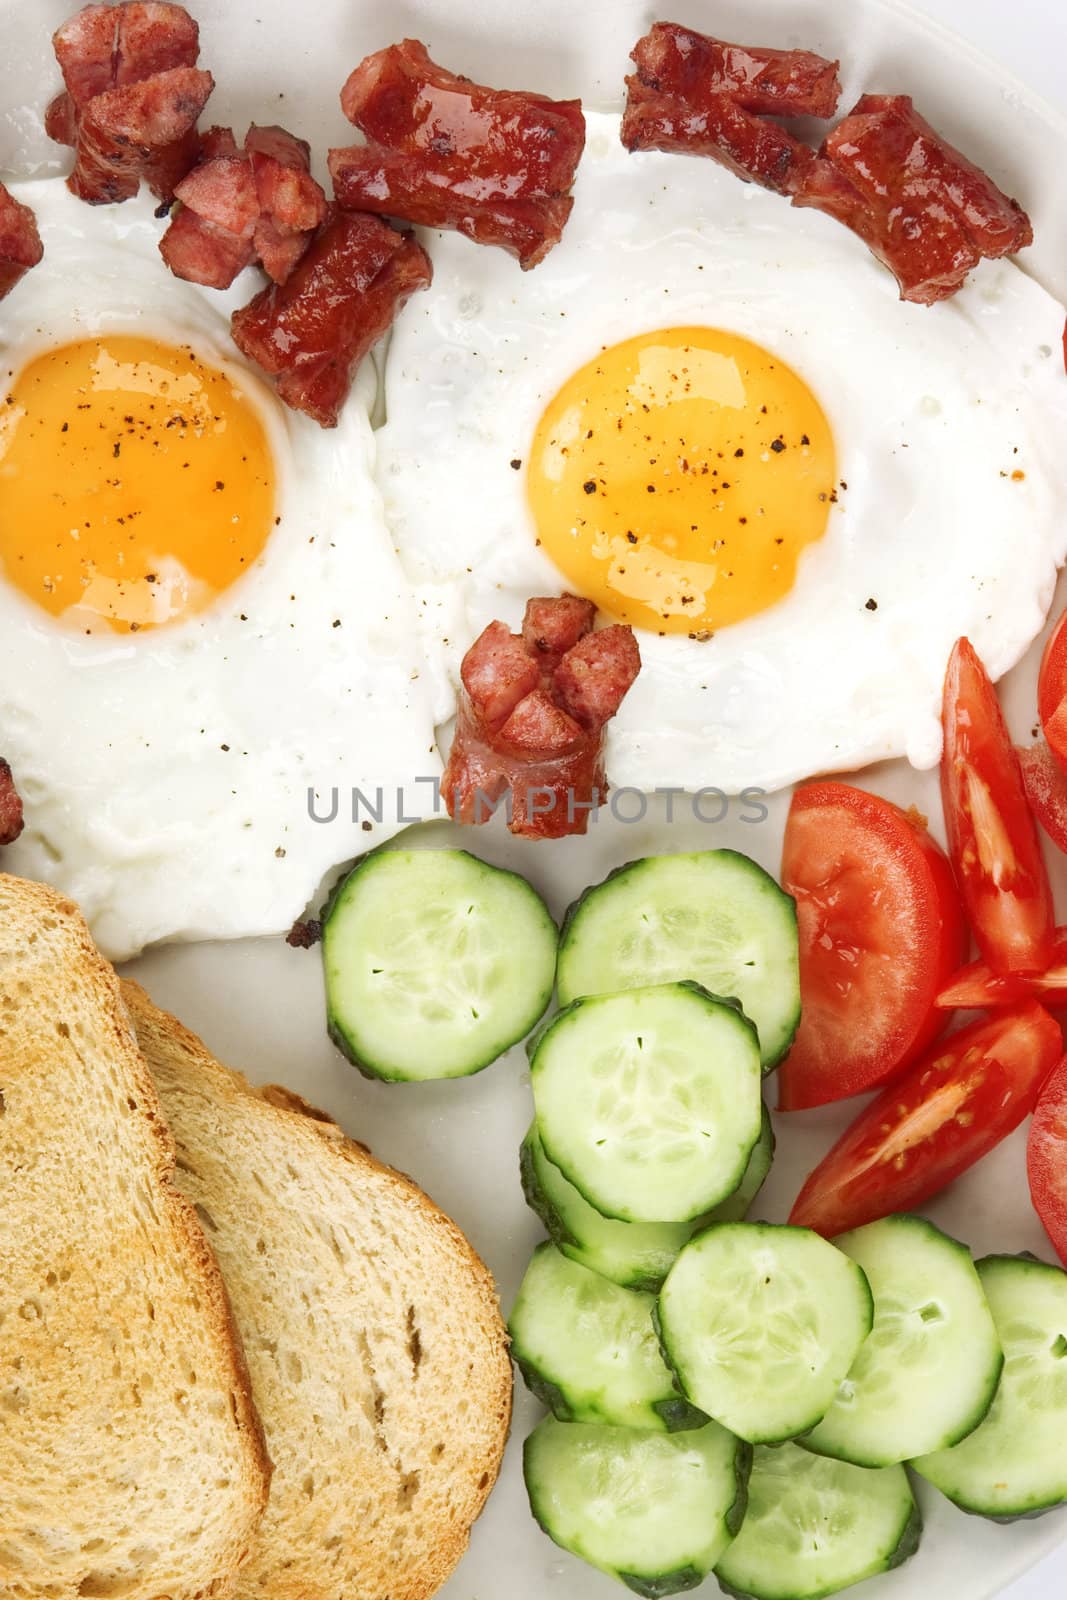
[1046, 1159]
[1046, 790]
[977, 987]
[954, 1105]
[881, 929]
[992, 836]
[1052, 691]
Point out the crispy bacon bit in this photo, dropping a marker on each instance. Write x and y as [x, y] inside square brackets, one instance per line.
[201, 252]
[223, 191]
[238, 205]
[366, 178]
[304, 935]
[217, 142]
[132, 98]
[532, 712]
[61, 119]
[10, 806]
[920, 206]
[280, 248]
[588, 677]
[110, 46]
[499, 673]
[20, 243]
[147, 130]
[551, 627]
[311, 333]
[702, 96]
[493, 164]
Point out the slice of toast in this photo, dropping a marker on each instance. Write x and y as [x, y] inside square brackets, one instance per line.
[374, 1338]
[132, 1463]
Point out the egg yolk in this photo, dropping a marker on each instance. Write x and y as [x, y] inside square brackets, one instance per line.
[677, 477]
[136, 483]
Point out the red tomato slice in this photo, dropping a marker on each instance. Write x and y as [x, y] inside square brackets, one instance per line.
[881, 929]
[978, 988]
[965, 1095]
[1052, 691]
[992, 837]
[1046, 1159]
[1046, 790]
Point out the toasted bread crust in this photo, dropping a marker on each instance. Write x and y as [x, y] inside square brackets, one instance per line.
[184, 1067]
[30, 913]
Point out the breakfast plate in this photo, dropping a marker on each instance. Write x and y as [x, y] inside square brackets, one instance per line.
[258, 1003]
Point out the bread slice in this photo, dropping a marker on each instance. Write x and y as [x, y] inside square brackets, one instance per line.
[378, 1355]
[131, 1459]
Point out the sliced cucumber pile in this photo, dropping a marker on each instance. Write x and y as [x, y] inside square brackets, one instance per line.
[839, 1362]
[761, 1323]
[636, 1255]
[1015, 1462]
[814, 1526]
[927, 1374]
[649, 1101]
[714, 917]
[435, 963]
[652, 1509]
[589, 1351]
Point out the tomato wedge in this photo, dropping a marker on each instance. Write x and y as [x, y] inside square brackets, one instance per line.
[1052, 691]
[978, 988]
[965, 1095]
[881, 929]
[992, 836]
[1046, 1159]
[1046, 790]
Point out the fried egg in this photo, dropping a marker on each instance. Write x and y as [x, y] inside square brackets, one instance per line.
[709, 413]
[207, 640]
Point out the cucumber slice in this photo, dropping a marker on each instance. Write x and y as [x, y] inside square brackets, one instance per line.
[1015, 1463]
[636, 1255]
[761, 1322]
[649, 1101]
[815, 1526]
[715, 917]
[588, 1349]
[736, 1206]
[655, 1510]
[928, 1373]
[435, 963]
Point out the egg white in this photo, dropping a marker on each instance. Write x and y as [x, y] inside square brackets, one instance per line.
[166, 777]
[932, 412]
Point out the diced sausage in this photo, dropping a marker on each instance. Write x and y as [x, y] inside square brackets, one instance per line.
[20, 242]
[311, 333]
[927, 212]
[702, 96]
[496, 165]
[531, 716]
[10, 806]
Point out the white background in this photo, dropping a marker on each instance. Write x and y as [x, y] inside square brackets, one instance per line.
[1030, 38]
[1027, 36]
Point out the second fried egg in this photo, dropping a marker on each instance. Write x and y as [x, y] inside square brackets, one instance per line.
[709, 413]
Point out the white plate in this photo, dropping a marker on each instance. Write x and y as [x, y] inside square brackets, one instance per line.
[258, 1004]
